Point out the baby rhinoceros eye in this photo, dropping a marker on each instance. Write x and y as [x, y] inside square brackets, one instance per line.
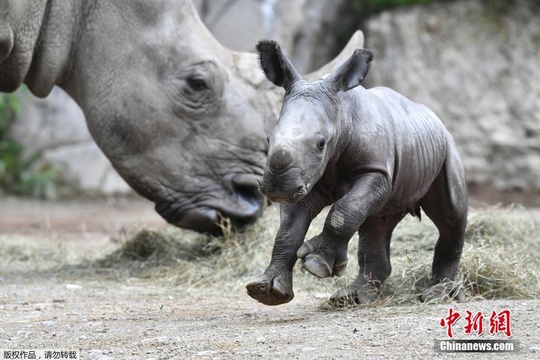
[321, 144]
[197, 83]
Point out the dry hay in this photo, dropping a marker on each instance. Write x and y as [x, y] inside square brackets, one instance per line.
[17, 254]
[500, 258]
[189, 259]
[499, 261]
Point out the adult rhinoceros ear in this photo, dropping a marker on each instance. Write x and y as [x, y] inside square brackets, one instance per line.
[277, 67]
[352, 72]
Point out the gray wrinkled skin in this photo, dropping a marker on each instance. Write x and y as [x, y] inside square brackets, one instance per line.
[375, 156]
[167, 104]
[182, 119]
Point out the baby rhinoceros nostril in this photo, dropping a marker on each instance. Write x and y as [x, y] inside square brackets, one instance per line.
[279, 160]
[300, 191]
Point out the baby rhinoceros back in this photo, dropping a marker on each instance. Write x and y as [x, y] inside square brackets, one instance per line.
[418, 145]
[374, 156]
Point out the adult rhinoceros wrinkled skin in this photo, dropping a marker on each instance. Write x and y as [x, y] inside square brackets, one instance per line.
[182, 119]
[373, 155]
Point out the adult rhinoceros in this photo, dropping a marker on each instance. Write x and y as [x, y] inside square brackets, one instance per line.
[182, 119]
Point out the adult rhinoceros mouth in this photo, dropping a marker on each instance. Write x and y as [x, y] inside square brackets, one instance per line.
[241, 203]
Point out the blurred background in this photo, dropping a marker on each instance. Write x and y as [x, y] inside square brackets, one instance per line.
[474, 62]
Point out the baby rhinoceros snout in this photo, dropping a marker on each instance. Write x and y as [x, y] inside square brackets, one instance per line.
[279, 160]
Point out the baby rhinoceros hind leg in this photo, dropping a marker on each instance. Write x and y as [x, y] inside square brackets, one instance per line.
[373, 260]
[442, 292]
[446, 205]
[355, 295]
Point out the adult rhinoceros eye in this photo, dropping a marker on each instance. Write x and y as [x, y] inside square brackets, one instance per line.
[197, 83]
[321, 144]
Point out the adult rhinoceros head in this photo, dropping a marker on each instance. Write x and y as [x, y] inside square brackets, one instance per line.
[182, 119]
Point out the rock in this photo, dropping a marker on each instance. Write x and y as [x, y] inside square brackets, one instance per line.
[475, 63]
[56, 127]
[73, 287]
[87, 166]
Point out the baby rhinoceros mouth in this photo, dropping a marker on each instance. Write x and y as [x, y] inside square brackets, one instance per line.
[282, 181]
[283, 192]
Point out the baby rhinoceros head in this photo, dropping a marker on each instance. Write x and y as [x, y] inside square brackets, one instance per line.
[308, 130]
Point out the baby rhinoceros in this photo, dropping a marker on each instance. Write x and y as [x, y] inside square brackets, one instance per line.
[375, 156]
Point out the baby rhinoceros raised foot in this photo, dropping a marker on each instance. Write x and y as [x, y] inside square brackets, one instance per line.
[375, 156]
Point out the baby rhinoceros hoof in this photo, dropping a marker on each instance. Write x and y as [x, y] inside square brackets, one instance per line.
[354, 295]
[320, 261]
[316, 267]
[320, 268]
[271, 291]
[442, 292]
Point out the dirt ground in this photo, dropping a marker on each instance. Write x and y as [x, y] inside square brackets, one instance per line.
[44, 306]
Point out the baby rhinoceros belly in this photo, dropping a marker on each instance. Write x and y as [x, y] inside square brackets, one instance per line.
[421, 145]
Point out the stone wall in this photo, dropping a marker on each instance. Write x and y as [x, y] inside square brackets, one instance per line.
[477, 65]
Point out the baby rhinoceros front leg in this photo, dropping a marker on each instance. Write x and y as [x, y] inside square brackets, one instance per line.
[274, 287]
[326, 254]
[323, 257]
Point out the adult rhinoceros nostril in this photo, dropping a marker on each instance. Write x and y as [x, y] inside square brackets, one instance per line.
[247, 186]
[249, 201]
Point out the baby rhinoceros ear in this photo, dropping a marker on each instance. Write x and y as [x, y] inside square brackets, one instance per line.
[352, 72]
[276, 65]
